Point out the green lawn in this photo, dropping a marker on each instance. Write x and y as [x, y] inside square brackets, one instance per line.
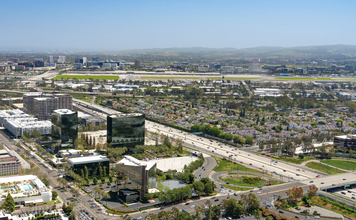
[323, 168]
[303, 78]
[254, 181]
[168, 77]
[82, 96]
[224, 165]
[343, 164]
[236, 188]
[231, 77]
[107, 77]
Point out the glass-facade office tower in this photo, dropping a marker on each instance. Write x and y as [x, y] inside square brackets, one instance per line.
[126, 130]
[140, 172]
[65, 126]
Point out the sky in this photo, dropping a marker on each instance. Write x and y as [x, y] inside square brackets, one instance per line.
[104, 25]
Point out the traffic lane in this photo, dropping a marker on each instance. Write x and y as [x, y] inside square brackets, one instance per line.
[215, 144]
[242, 158]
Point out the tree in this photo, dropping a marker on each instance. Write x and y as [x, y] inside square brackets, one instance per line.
[8, 204]
[295, 194]
[258, 214]
[36, 134]
[95, 181]
[199, 187]
[249, 140]
[54, 195]
[301, 156]
[312, 191]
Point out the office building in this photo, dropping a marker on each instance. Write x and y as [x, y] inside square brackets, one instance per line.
[10, 115]
[126, 130]
[95, 165]
[129, 195]
[345, 142]
[9, 165]
[65, 126]
[26, 190]
[77, 66]
[95, 59]
[17, 127]
[43, 107]
[140, 172]
[28, 101]
[49, 59]
[61, 59]
[138, 63]
[38, 63]
[16, 60]
[64, 101]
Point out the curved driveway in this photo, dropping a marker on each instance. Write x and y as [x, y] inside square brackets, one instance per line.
[209, 165]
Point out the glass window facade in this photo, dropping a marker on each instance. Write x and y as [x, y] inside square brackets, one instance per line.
[139, 175]
[65, 128]
[127, 130]
[93, 168]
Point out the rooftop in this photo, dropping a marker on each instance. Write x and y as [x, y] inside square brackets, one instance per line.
[64, 111]
[89, 159]
[32, 94]
[120, 115]
[11, 179]
[131, 161]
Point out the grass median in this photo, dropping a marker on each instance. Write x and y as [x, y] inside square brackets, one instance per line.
[226, 165]
[343, 164]
[324, 168]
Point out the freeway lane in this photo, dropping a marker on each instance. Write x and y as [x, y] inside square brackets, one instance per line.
[291, 171]
[224, 151]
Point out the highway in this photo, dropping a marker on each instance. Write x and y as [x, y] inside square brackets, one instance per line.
[214, 148]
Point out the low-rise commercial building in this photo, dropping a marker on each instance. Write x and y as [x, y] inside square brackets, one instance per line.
[95, 165]
[17, 127]
[26, 190]
[268, 92]
[10, 115]
[345, 142]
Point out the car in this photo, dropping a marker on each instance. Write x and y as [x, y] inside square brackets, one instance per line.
[258, 192]
[263, 166]
[298, 169]
[248, 154]
[296, 217]
[251, 191]
[251, 164]
[317, 175]
[281, 212]
[228, 197]
[212, 151]
[333, 184]
[161, 208]
[344, 179]
[322, 183]
[353, 197]
[216, 200]
[235, 194]
[317, 217]
[192, 207]
[284, 171]
[241, 162]
[297, 174]
[187, 203]
[102, 188]
[227, 183]
[343, 193]
[303, 170]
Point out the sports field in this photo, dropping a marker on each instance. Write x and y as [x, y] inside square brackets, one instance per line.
[107, 77]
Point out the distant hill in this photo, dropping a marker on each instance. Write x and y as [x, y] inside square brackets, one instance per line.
[325, 51]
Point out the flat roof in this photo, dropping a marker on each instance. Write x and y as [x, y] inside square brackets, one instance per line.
[88, 159]
[33, 94]
[64, 111]
[11, 179]
[121, 115]
[131, 161]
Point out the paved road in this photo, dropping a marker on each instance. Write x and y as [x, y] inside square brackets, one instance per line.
[215, 148]
[204, 171]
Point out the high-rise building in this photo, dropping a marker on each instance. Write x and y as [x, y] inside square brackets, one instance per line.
[38, 63]
[61, 59]
[95, 59]
[126, 130]
[16, 60]
[137, 63]
[65, 101]
[50, 59]
[77, 60]
[28, 101]
[65, 126]
[43, 107]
